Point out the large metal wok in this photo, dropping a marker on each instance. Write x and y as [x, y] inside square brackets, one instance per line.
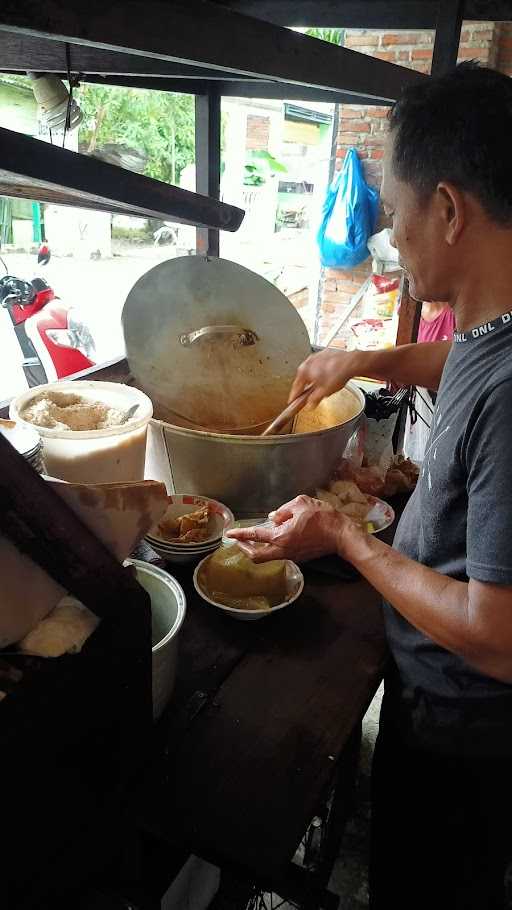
[216, 346]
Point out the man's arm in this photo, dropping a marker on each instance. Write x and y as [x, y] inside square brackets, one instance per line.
[470, 619]
[409, 364]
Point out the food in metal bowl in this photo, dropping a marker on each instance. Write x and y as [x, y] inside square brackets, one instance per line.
[331, 412]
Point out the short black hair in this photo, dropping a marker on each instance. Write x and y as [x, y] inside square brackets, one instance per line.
[456, 128]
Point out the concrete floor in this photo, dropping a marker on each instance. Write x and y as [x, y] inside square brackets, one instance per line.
[349, 878]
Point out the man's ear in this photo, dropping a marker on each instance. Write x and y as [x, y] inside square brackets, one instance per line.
[451, 208]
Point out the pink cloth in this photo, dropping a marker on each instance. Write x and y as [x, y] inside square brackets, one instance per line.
[440, 329]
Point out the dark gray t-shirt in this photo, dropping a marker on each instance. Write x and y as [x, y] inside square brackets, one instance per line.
[459, 519]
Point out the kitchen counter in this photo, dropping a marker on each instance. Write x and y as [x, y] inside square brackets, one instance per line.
[265, 719]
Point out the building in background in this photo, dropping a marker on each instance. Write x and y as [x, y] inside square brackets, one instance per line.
[364, 128]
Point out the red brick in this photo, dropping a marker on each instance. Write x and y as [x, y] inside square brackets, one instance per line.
[351, 138]
[377, 153]
[400, 38]
[386, 55]
[505, 42]
[361, 126]
[472, 53]
[479, 33]
[378, 112]
[375, 140]
[404, 55]
[421, 53]
[367, 39]
[350, 111]
[422, 67]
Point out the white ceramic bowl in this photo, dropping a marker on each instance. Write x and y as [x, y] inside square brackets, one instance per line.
[295, 583]
[179, 556]
[220, 517]
[380, 514]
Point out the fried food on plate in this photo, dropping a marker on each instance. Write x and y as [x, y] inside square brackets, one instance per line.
[192, 527]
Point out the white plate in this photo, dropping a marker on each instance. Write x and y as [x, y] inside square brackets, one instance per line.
[295, 582]
[220, 517]
[380, 514]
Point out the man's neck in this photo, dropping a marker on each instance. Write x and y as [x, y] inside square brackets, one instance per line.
[485, 289]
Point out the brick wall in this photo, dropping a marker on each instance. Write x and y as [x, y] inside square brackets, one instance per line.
[364, 128]
[504, 49]
[258, 132]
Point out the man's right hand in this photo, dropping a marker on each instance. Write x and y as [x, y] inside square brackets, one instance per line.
[409, 364]
[327, 372]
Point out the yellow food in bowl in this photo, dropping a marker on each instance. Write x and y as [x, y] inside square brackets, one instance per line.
[229, 577]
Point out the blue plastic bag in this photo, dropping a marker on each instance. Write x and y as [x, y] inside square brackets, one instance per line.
[349, 216]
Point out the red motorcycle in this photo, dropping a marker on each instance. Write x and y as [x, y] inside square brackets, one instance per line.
[53, 339]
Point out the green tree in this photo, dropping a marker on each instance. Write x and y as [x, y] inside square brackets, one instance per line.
[331, 35]
[159, 124]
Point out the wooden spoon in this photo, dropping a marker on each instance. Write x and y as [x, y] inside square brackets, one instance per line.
[290, 411]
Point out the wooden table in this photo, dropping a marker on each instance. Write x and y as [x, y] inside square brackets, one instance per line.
[264, 716]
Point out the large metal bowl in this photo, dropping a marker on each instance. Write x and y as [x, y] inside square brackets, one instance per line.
[250, 474]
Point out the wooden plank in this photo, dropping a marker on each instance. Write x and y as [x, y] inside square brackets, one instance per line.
[207, 134]
[249, 88]
[24, 53]
[171, 33]
[367, 14]
[245, 773]
[34, 169]
[448, 29]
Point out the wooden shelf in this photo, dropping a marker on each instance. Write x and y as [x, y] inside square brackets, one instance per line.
[34, 169]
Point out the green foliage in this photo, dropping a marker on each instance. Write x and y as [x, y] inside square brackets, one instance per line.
[331, 35]
[16, 79]
[159, 124]
[260, 166]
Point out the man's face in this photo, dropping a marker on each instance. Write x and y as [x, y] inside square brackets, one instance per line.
[416, 235]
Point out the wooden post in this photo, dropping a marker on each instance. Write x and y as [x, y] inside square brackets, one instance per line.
[408, 318]
[446, 44]
[208, 126]
[408, 325]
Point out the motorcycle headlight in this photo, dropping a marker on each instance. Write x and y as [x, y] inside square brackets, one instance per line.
[77, 336]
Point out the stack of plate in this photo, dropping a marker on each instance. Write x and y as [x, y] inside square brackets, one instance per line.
[220, 518]
[26, 441]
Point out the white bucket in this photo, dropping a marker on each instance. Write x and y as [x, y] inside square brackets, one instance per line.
[168, 608]
[111, 455]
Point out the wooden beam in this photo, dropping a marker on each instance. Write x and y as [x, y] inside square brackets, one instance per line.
[203, 34]
[24, 53]
[208, 126]
[254, 88]
[34, 169]
[367, 14]
[447, 40]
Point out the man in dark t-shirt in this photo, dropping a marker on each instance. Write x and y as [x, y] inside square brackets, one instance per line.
[442, 798]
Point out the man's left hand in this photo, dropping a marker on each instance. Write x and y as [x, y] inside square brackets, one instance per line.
[302, 529]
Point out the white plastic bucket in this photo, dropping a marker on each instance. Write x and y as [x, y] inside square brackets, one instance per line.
[168, 608]
[111, 455]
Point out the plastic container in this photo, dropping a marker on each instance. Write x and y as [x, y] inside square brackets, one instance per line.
[168, 608]
[112, 455]
[244, 523]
